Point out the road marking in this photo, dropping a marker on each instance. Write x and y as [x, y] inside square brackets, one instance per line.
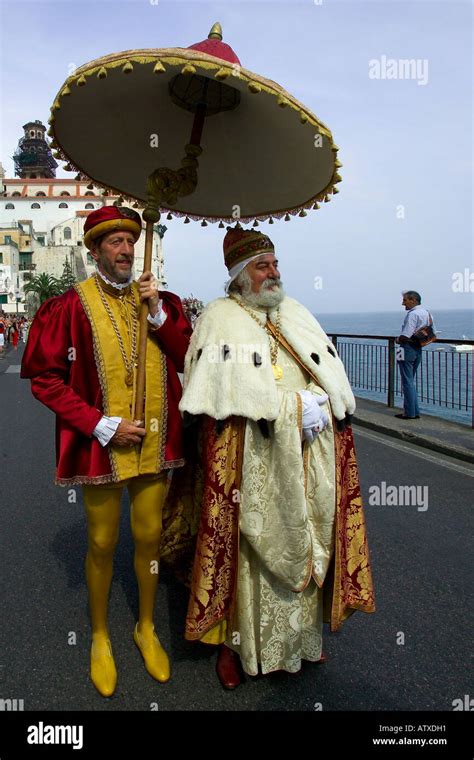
[13, 368]
[414, 450]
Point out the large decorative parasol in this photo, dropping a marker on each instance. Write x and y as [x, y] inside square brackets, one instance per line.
[191, 132]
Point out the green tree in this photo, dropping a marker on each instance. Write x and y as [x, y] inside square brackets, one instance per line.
[44, 286]
[67, 279]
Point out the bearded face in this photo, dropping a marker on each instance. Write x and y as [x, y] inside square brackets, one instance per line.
[260, 284]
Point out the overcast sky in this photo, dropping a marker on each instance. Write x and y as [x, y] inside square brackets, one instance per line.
[403, 216]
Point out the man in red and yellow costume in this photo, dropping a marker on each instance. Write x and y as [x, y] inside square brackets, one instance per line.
[281, 542]
[81, 358]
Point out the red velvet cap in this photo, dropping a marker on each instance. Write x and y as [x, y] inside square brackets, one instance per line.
[109, 218]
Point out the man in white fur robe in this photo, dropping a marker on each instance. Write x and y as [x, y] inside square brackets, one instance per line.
[281, 468]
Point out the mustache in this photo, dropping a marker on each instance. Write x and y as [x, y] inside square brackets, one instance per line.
[268, 283]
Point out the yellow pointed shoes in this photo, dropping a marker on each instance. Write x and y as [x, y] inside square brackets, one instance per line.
[103, 671]
[154, 656]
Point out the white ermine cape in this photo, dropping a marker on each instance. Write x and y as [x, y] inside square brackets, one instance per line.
[228, 368]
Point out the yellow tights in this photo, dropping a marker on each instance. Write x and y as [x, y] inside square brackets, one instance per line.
[102, 504]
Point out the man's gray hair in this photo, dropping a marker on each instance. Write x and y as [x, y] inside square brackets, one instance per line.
[413, 295]
[242, 280]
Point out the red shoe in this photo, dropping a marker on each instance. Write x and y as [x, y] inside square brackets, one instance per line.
[322, 659]
[228, 667]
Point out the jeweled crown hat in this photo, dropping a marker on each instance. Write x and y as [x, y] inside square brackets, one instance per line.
[110, 218]
[240, 245]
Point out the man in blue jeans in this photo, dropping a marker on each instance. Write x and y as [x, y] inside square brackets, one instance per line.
[416, 318]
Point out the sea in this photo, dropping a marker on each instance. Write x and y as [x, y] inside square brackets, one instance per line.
[445, 379]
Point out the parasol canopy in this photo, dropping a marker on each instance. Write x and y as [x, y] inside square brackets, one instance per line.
[248, 149]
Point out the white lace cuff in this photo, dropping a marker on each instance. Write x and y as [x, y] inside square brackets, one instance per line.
[105, 429]
[160, 317]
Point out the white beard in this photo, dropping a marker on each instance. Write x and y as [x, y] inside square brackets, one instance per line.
[267, 298]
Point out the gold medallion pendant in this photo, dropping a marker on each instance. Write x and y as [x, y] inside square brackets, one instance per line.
[277, 371]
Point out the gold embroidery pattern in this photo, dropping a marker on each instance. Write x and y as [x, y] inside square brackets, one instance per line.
[216, 560]
[353, 586]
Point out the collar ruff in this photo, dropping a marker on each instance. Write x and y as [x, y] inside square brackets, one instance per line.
[120, 286]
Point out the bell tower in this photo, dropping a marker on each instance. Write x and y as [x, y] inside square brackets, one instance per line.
[33, 158]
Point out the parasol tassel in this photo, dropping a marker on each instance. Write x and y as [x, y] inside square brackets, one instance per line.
[222, 73]
[81, 81]
[188, 69]
[159, 68]
[127, 68]
[254, 87]
[102, 73]
[287, 218]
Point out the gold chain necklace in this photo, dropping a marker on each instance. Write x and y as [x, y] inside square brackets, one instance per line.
[273, 339]
[129, 363]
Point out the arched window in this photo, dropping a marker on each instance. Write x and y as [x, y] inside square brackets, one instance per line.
[67, 233]
[89, 192]
[40, 193]
[63, 205]
[32, 134]
[9, 205]
[64, 192]
[16, 194]
[89, 205]
[32, 176]
[35, 205]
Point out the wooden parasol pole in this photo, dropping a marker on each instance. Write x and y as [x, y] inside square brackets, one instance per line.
[151, 216]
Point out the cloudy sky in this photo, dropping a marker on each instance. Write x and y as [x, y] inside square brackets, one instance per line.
[403, 216]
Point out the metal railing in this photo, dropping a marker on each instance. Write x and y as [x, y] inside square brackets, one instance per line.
[444, 378]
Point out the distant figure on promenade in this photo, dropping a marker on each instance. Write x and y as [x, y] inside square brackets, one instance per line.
[416, 318]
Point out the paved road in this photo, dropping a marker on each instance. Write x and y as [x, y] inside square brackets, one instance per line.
[421, 562]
